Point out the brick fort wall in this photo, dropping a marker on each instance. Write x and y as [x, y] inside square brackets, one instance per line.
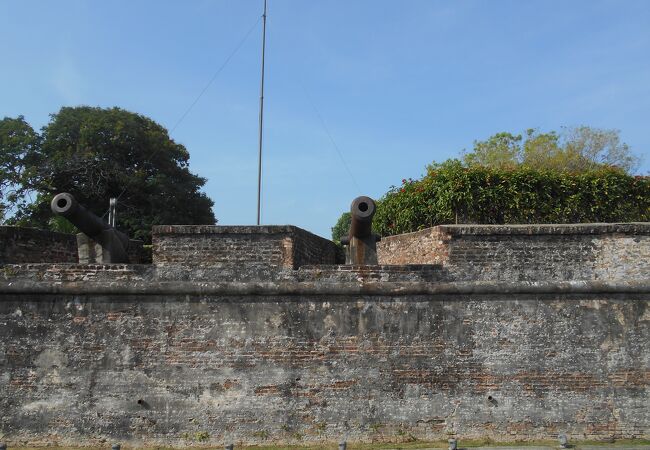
[92, 353]
[526, 252]
[256, 336]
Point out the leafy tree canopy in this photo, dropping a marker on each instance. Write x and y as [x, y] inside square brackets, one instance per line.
[342, 227]
[577, 149]
[18, 143]
[95, 154]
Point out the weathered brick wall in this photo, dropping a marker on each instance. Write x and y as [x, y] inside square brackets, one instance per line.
[311, 249]
[202, 245]
[353, 273]
[79, 273]
[82, 360]
[223, 340]
[235, 252]
[527, 252]
[20, 245]
[430, 246]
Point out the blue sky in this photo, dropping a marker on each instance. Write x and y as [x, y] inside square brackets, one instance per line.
[397, 84]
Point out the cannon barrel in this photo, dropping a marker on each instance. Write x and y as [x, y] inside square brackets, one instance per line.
[66, 205]
[362, 211]
[114, 243]
[361, 244]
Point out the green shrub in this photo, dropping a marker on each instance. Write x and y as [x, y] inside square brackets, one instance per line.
[453, 193]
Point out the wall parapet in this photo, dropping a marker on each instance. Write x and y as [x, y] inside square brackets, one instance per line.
[617, 251]
[631, 228]
[242, 250]
[23, 245]
[223, 229]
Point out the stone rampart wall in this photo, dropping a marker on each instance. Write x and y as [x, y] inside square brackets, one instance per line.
[527, 252]
[254, 335]
[22, 245]
[93, 353]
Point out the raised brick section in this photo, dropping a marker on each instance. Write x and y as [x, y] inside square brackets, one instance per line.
[236, 252]
[21, 245]
[527, 252]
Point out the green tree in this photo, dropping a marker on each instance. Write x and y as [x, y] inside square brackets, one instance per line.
[18, 143]
[576, 149]
[543, 151]
[588, 148]
[503, 150]
[342, 227]
[96, 154]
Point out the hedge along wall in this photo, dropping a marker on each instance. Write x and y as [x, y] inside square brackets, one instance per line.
[451, 193]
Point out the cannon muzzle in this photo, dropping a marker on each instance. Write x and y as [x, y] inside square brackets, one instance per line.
[362, 211]
[67, 206]
[113, 242]
[361, 243]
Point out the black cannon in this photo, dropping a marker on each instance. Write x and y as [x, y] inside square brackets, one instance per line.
[98, 242]
[361, 243]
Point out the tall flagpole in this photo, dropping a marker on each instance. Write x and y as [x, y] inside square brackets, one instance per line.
[259, 161]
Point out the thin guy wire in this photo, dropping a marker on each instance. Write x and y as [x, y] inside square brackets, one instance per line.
[327, 131]
[198, 97]
[214, 77]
